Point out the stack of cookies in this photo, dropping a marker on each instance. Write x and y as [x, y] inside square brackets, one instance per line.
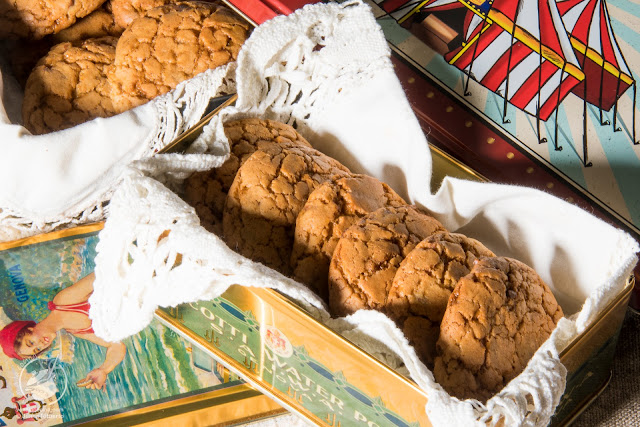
[98, 59]
[474, 318]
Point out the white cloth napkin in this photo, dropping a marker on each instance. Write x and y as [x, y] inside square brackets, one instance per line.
[66, 177]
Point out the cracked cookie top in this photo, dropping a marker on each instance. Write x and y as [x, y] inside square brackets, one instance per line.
[207, 191]
[170, 44]
[126, 11]
[266, 196]
[369, 253]
[331, 209]
[422, 285]
[99, 23]
[69, 86]
[498, 316]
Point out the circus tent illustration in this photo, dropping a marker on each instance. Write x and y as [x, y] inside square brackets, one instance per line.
[607, 75]
[533, 53]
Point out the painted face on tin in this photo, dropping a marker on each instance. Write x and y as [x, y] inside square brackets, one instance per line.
[34, 341]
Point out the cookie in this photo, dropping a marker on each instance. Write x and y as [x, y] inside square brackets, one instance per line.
[266, 196]
[423, 283]
[126, 11]
[69, 86]
[99, 23]
[36, 18]
[369, 253]
[331, 209]
[170, 44]
[207, 191]
[497, 317]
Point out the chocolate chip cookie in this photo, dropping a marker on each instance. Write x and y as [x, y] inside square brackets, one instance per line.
[266, 196]
[170, 44]
[36, 18]
[331, 209]
[207, 191]
[423, 283]
[369, 253]
[498, 315]
[69, 86]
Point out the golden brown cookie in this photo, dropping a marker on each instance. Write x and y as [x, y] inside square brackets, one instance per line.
[266, 196]
[422, 285]
[170, 44]
[207, 191]
[369, 253]
[332, 208]
[37, 18]
[498, 315]
[126, 11]
[69, 86]
[99, 23]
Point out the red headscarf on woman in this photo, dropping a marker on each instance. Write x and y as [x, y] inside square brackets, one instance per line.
[8, 336]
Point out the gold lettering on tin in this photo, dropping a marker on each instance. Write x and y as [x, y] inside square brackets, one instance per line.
[250, 364]
[331, 420]
[175, 313]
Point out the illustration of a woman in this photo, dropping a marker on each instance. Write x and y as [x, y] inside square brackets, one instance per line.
[69, 311]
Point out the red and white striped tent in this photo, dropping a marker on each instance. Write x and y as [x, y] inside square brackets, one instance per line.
[607, 74]
[518, 49]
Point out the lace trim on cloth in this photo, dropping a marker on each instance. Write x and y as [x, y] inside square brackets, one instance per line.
[163, 119]
[319, 69]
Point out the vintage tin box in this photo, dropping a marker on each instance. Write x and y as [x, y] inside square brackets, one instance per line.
[306, 367]
[274, 345]
[160, 377]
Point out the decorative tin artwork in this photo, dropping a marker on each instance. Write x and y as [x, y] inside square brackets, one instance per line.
[157, 367]
[556, 77]
[268, 353]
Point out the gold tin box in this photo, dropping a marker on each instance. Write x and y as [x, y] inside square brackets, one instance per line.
[282, 351]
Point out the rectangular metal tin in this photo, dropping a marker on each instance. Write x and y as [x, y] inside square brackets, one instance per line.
[330, 381]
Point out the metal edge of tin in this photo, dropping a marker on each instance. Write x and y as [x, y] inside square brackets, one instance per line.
[229, 404]
[240, 12]
[53, 235]
[237, 10]
[588, 401]
[619, 299]
[465, 169]
[184, 139]
[235, 367]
